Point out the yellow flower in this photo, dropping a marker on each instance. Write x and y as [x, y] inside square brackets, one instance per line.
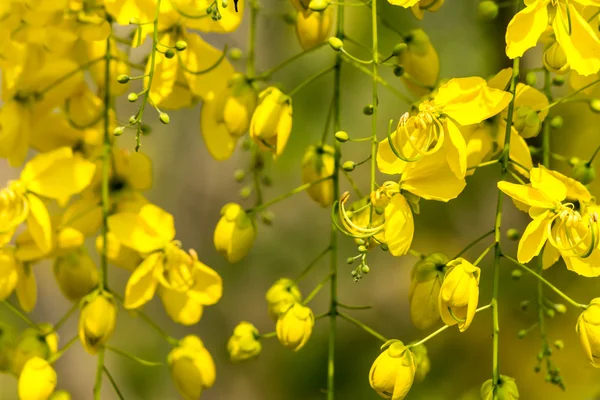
[574, 34]
[192, 367]
[244, 343]
[459, 293]
[271, 122]
[399, 226]
[124, 10]
[76, 274]
[420, 62]
[419, 9]
[318, 163]
[235, 233]
[281, 296]
[393, 372]
[225, 116]
[571, 232]
[506, 389]
[426, 280]
[37, 380]
[61, 395]
[313, 27]
[295, 326]
[437, 126]
[118, 66]
[32, 342]
[118, 254]
[97, 320]
[588, 329]
[9, 272]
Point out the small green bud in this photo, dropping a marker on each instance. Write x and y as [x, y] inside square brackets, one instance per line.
[348, 166]
[531, 78]
[559, 344]
[368, 109]
[399, 49]
[118, 131]
[548, 378]
[132, 97]
[235, 53]
[362, 249]
[556, 122]
[209, 10]
[132, 119]
[398, 71]
[384, 247]
[353, 273]
[245, 192]
[360, 241]
[146, 129]
[335, 43]
[224, 3]
[558, 80]
[365, 269]
[123, 79]
[164, 118]
[573, 161]
[342, 136]
[537, 368]
[595, 105]
[522, 333]
[513, 234]
[540, 356]
[170, 53]
[349, 260]
[134, 21]
[239, 175]
[290, 18]
[550, 313]
[560, 308]
[488, 10]
[527, 122]
[584, 172]
[318, 5]
[267, 218]
[524, 305]
[516, 274]
[181, 45]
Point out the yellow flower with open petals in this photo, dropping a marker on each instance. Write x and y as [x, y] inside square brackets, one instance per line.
[574, 34]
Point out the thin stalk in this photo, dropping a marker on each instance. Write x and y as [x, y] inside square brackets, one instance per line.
[251, 61]
[316, 290]
[114, 384]
[286, 195]
[69, 75]
[310, 80]
[20, 314]
[63, 350]
[363, 326]
[473, 243]
[349, 307]
[99, 370]
[267, 74]
[374, 101]
[310, 266]
[562, 100]
[381, 81]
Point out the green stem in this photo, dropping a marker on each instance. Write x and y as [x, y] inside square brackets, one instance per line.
[473, 243]
[63, 350]
[99, 370]
[546, 282]
[483, 164]
[267, 74]
[593, 156]
[256, 161]
[64, 318]
[374, 101]
[316, 290]
[504, 158]
[353, 183]
[114, 384]
[327, 122]
[349, 307]
[251, 61]
[381, 81]
[562, 100]
[70, 75]
[490, 247]
[137, 359]
[267, 335]
[20, 314]
[171, 340]
[286, 195]
[416, 253]
[106, 158]
[310, 80]
[363, 326]
[310, 266]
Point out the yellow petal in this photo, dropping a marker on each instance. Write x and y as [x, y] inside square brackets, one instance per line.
[456, 149]
[208, 285]
[9, 273]
[519, 151]
[26, 287]
[550, 256]
[404, 3]
[218, 140]
[142, 282]
[399, 225]
[145, 232]
[312, 28]
[548, 184]
[526, 194]
[39, 223]
[581, 45]
[525, 28]
[534, 238]
[180, 307]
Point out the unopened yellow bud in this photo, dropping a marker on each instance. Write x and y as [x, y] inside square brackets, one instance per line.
[393, 372]
[192, 367]
[398, 49]
[61, 395]
[348, 166]
[235, 104]
[313, 27]
[318, 163]
[426, 280]
[555, 59]
[488, 10]
[235, 233]
[560, 308]
[37, 380]
[342, 136]
[318, 5]
[527, 122]
[132, 97]
[164, 118]
[76, 274]
[181, 45]
[271, 122]
[459, 293]
[97, 321]
[336, 43]
[235, 53]
[118, 131]
[584, 172]
[506, 389]
[588, 329]
[294, 328]
[281, 296]
[244, 344]
[420, 61]
[595, 105]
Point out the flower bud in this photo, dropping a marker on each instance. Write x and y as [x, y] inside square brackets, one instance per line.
[281, 296]
[164, 118]
[319, 163]
[419, 9]
[235, 53]
[181, 45]
[76, 274]
[393, 372]
[61, 395]
[244, 344]
[235, 233]
[170, 53]
[531, 78]
[595, 105]
[271, 122]
[420, 61]
[336, 43]
[513, 234]
[488, 10]
[560, 308]
[558, 81]
[421, 361]
[516, 274]
[588, 329]
[398, 49]
[459, 293]
[132, 97]
[313, 27]
[295, 326]
[584, 172]
[123, 78]
[37, 380]
[554, 59]
[556, 122]
[527, 122]
[97, 320]
[192, 367]
[118, 131]
[348, 166]
[33, 343]
[426, 280]
[506, 389]
[342, 136]
[234, 106]
[318, 5]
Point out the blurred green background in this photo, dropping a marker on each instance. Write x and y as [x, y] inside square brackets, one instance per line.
[194, 187]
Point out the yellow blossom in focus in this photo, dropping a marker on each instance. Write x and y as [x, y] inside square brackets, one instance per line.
[588, 329]
[319, 163]
[295, 326]
[573, 33]
[281, 297]
[97, 320]
[37, 380]
[192, 367]
[271, 122]
[459, 293]
[313, 27]
[393, 372]
[235, 233]
[244, 344]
